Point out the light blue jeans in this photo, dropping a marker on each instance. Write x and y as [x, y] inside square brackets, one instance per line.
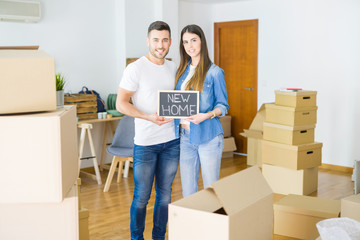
[159, 162]
[192, 157]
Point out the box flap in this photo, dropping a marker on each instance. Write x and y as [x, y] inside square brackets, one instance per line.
[252, 134]
[257, 123]
[311, 206]
[290, 109]
[291, 128]
[204, 200]
[242, 189]
[296, 93]
[302, 147]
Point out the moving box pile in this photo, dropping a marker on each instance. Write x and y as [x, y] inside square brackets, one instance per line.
[38, 151]
[290, 157]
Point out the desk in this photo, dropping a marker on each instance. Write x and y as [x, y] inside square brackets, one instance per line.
[85, 126]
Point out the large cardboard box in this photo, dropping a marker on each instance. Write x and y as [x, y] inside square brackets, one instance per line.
[288, 181]
[229, 147]
[41, 221]
[296, 216]
[226, 125]
[38, 156]
[295, 135]
[303, 98]
[235, 207]
[27, 81]
[254, 137]
[290, 116]
[292, 156]
[350, 207]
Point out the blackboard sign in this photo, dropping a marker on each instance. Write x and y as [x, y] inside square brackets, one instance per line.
[178, 104]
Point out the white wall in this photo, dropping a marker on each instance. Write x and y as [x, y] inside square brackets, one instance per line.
[201, 15]
[313, 45]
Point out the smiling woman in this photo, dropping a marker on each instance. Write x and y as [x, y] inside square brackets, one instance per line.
[201, 134]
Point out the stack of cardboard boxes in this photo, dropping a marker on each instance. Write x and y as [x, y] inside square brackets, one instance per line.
[290, 156]
[38, 151]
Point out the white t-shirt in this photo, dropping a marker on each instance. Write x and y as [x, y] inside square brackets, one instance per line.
[145, 79]
[183, 87]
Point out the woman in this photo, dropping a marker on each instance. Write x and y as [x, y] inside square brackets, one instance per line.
[202, 140]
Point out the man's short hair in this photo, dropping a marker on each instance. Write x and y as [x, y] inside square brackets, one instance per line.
[160, 26]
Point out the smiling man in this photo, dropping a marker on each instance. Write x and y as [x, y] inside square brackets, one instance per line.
[156, 150]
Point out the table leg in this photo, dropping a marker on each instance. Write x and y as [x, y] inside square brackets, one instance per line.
[102, 159]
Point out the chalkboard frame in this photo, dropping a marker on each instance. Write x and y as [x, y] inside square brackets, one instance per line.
[178, 91]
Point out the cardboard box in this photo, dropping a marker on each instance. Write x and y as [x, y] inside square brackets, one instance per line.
[290, 116]
[235, 207]
[291, 156]
[296, 216]
[27, 81]
[229, 147]
[41, 221]
[289, 135]
[254, 137]
[350, 207]
[288, 181]
[38, 156]
[84, 224]
[226, 125]
[302, 98]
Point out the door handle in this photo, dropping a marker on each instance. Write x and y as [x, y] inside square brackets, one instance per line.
[250, 89]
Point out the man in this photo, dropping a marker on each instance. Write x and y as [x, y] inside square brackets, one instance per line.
[156, 150]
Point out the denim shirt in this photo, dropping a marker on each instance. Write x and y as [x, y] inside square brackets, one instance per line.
[212, 96]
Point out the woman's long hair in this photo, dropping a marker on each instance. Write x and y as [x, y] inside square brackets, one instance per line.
[197, 80]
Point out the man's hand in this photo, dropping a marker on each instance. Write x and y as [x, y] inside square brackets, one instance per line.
[158, 120]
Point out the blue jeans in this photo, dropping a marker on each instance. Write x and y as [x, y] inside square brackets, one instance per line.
[207, 155]
[158, 161]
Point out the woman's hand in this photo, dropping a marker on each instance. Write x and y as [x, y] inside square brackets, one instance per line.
[198, 118]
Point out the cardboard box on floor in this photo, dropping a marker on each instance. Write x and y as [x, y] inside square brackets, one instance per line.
[288, 181]
[41, 221]
[291, 156]
[27, 81]
[236, 207]
[296, 216]
[84, 224]
[254, 137]
[38, 156]
[290, 116]
[350, 207]
[226, 125]
[229, 147]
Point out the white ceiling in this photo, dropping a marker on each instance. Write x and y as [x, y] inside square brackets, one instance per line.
[212, 1]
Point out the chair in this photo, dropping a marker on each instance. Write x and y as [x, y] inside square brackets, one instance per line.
[121, 148]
